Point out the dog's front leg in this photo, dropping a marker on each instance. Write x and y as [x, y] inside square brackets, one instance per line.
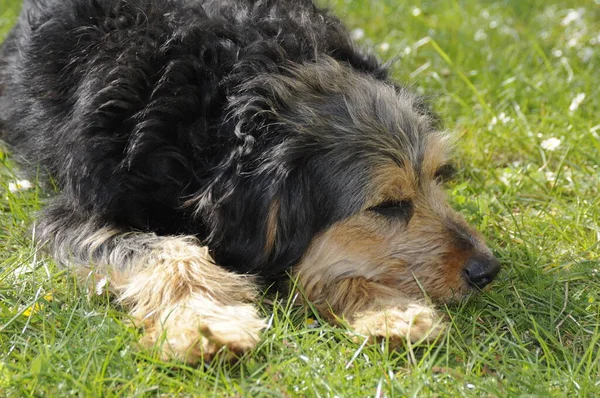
[189, 307]
[371, 308]
[181, 296]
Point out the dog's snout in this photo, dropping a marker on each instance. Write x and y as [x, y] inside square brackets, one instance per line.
[481, 270]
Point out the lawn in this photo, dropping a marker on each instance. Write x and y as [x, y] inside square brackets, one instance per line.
[518, 82]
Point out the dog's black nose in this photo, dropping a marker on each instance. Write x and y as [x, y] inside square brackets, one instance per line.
[481, 270]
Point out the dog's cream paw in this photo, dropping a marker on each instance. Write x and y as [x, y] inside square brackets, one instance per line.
[193, 334]
[414, 323]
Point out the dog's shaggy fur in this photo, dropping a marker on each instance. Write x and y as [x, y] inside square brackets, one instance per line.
[199, 142]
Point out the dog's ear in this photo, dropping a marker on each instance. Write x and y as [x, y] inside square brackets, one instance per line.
[262, 226]
[292, 223]
[263, 223]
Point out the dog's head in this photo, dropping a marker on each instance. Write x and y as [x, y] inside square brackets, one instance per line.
[343, 173]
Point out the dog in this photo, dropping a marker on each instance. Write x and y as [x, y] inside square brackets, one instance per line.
[205, 148]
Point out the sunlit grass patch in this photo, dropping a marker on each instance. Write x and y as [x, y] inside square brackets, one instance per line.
[517, 81]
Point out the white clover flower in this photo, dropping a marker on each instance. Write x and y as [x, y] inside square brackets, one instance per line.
[504, 118]
[572, 16]
[407, 50]
[576, 102]
[384, 46]
[551, 144]
[574, 38]
[492, 123]
[508, 31]
[416, 11]
[550, 176]
[19, 185]
[480, 35]
[357, 34]
[506, 177]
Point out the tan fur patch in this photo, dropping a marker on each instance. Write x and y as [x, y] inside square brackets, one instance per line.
[437, 148]
[392, 182]
[272, 226]
[412, 322]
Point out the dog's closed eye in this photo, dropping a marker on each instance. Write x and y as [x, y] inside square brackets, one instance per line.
[445, 173]
[394, 209]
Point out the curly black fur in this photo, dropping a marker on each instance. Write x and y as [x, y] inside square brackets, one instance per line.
[194, 117]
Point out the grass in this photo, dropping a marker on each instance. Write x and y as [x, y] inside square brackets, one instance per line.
[504, 75]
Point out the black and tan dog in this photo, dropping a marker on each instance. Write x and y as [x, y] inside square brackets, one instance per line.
[199, 144]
